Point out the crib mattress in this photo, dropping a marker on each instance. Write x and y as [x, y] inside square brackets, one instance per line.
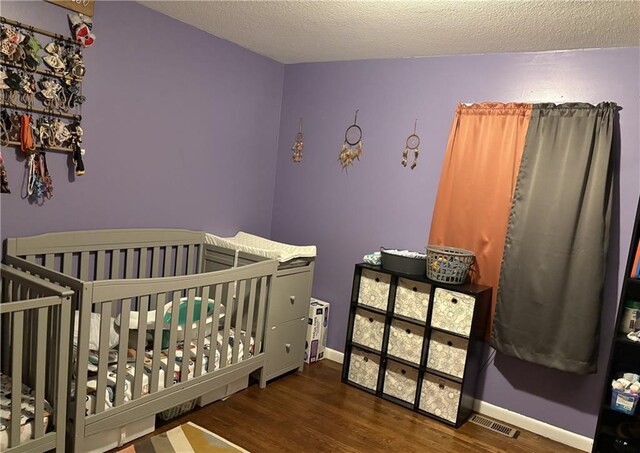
[27, 401]
[256, 245]
[192, 353]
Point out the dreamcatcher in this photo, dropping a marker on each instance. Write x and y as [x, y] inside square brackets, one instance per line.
[352, 146]
[298, 145]
[412, 144]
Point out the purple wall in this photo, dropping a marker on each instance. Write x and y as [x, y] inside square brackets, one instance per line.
[380, 203]
[181, 130]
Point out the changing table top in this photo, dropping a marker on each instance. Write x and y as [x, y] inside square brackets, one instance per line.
[260, 246]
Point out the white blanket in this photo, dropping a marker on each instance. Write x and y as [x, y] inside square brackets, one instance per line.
[260, 246]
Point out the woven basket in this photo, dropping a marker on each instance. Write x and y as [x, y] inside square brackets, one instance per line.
[448, 264]
[177, 411]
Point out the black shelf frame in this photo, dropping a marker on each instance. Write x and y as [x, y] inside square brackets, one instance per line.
[623, 354]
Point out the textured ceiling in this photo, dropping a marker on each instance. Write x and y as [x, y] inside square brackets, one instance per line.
[310, 31]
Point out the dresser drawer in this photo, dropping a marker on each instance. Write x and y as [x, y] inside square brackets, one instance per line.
[405, 341]
[368, 329]
[290, 298]
[364, 368]
[452, 311]
[412, 299]
[447, 353]
[286, 345]
[374, 289]
[400, 381]
[440, 397]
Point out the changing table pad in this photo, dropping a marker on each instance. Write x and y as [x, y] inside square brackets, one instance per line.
[260, 246]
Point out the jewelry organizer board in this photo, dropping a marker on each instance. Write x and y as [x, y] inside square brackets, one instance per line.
[42, 75]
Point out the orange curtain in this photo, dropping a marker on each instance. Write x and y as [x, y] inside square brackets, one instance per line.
[477, 184]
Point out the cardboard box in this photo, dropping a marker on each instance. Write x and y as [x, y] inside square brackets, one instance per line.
[317, 330]
[314, 335]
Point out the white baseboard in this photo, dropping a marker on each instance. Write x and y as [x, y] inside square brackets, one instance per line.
[333, 355]
[543, 429]
[535, 426]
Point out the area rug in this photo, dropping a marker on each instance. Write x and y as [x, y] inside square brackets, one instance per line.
[186, 438]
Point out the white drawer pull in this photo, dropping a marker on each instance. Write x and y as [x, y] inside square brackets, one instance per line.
[292, 299]
[287, 347]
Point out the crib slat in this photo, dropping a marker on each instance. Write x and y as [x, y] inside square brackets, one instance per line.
[179, 260]
[100, 262]
[129, 263]
[49, 261]
[202, 326]
[240, 300]
[122, 351]
[16, 376]
[41, 353]
[103, 355]
[142, 337]
[30, 258]
[190, 259]
[60, 418]
[213, 341]
[168, 252]
[115, 265]
[171, 359]
[67, 263]
[142, 263]
[186, 330]
[157, 342]
[261, 315]
[155, 258]
[84, 266]
[224, 349]
[249, 325]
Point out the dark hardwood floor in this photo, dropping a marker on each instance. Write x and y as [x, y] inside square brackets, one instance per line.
[313, 411]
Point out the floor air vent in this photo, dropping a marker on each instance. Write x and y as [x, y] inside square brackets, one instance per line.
[494, 426]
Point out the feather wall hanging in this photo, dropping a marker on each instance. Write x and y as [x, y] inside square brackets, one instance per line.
[298, 145]
[411, 145]
[352, 146]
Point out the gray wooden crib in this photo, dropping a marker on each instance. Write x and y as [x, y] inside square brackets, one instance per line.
[153, 330]
[34, 321]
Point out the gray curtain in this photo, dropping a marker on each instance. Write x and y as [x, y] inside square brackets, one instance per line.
[553, 266]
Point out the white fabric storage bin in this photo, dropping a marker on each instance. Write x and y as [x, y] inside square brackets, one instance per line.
[440, 397]
[364, 368]
[400, 381]
[447, 353]
[374, 289]
[412, 299]
[368, 329]
[405, 341]
[452, 311]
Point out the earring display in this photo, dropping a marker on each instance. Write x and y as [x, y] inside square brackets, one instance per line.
[298, 145]
[352, 146]
[412, 144]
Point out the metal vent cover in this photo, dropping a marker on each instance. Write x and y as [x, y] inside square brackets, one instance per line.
[494, 426]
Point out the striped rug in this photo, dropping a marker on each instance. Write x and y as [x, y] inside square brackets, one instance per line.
[186, 438]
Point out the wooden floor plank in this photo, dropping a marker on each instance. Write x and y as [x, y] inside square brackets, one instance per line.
[312, 411]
